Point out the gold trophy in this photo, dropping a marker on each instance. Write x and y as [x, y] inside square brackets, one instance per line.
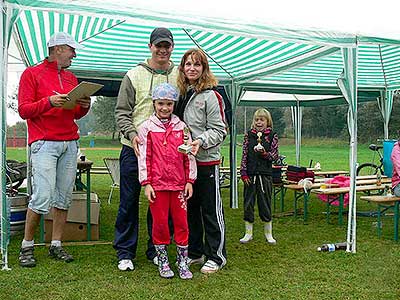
[258, 147]
[185, 148]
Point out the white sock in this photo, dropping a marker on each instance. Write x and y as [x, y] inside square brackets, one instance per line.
[56, 243]
[26, 243]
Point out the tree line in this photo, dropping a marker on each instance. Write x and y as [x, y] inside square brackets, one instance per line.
[317, 122]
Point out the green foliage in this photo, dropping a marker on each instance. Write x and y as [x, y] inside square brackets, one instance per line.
[329, 121]
[19, 130]
[325, 121]
[292, 269]
[104, 116]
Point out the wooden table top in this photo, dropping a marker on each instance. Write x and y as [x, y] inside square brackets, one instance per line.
[343, 190]
[389, 199]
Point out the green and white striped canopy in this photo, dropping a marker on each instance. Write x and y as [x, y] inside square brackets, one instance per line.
[255, 56]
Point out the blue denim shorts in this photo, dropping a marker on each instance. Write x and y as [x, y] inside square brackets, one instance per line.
[396, 190]
[53, 174]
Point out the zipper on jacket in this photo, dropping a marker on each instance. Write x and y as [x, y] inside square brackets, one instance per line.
[59, 79]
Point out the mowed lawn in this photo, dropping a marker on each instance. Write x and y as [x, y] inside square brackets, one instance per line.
[293, 269]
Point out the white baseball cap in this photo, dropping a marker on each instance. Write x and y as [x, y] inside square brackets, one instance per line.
[62, 38]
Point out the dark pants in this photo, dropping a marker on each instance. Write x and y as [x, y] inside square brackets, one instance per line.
[206, 217]
[260, 187]
[127, 223]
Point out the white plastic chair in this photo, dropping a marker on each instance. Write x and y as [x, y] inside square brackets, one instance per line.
[112, 165]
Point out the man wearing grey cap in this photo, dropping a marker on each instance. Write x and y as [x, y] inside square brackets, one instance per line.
[134, 106]
[52, 139]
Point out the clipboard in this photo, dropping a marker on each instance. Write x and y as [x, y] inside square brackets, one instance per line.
[82, 90]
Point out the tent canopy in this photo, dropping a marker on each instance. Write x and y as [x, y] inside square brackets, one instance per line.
[255, 56]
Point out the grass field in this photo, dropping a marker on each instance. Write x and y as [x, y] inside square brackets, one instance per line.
[292, 269]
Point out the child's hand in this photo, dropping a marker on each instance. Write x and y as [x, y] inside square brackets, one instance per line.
[195, 147]
[246, 180]
[188, 191]
[259, 148]
[149, 193]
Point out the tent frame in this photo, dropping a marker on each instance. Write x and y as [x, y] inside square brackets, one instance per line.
[328, 42]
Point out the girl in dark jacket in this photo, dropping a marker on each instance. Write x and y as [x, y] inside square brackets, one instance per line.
[260, 149]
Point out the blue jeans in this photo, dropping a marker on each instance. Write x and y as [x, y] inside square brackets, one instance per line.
[53, 174]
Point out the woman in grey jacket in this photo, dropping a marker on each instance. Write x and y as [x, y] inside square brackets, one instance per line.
[202, 109]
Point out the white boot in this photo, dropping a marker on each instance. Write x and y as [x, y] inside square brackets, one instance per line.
[268, 233]
[249, 233]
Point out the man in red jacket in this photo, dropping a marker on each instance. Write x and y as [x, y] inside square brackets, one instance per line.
[52, 137]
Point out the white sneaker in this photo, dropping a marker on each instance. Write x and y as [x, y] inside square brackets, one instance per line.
[195, 261]
[155, 260]
[125, 265]
[209, 267]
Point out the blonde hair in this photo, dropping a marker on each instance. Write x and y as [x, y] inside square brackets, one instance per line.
[207, 79]
[262, 112]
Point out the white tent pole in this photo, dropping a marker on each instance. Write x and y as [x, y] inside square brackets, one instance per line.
[8, 17]
[245, 120]
[297, 113]
[348, 85]
[233, 153]
[387, 111]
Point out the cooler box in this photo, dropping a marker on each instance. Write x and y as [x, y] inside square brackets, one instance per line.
[387, 152]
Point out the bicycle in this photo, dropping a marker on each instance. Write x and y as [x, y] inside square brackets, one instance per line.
[371, 168]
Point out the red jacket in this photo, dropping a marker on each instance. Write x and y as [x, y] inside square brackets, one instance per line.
[160, 163]
[45, 122]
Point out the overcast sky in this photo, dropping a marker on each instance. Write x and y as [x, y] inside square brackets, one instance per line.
[374, 18]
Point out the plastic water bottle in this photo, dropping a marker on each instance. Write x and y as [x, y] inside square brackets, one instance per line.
[388, 191]
[332, 247]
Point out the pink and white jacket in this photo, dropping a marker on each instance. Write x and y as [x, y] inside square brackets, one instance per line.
[395, 157]
[160, 163]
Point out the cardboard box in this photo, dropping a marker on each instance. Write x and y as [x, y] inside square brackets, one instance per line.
[76, 227]
[72, 231]
[77, 210]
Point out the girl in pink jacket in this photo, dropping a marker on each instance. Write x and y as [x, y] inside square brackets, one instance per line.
[395, 157]
[167, 175]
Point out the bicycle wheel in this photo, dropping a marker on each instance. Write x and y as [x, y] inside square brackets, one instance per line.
[367, 169]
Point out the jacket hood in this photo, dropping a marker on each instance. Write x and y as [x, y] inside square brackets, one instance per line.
[174, 120]
[146, 65]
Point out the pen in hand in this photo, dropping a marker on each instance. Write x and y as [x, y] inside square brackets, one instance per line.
[57, 93]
